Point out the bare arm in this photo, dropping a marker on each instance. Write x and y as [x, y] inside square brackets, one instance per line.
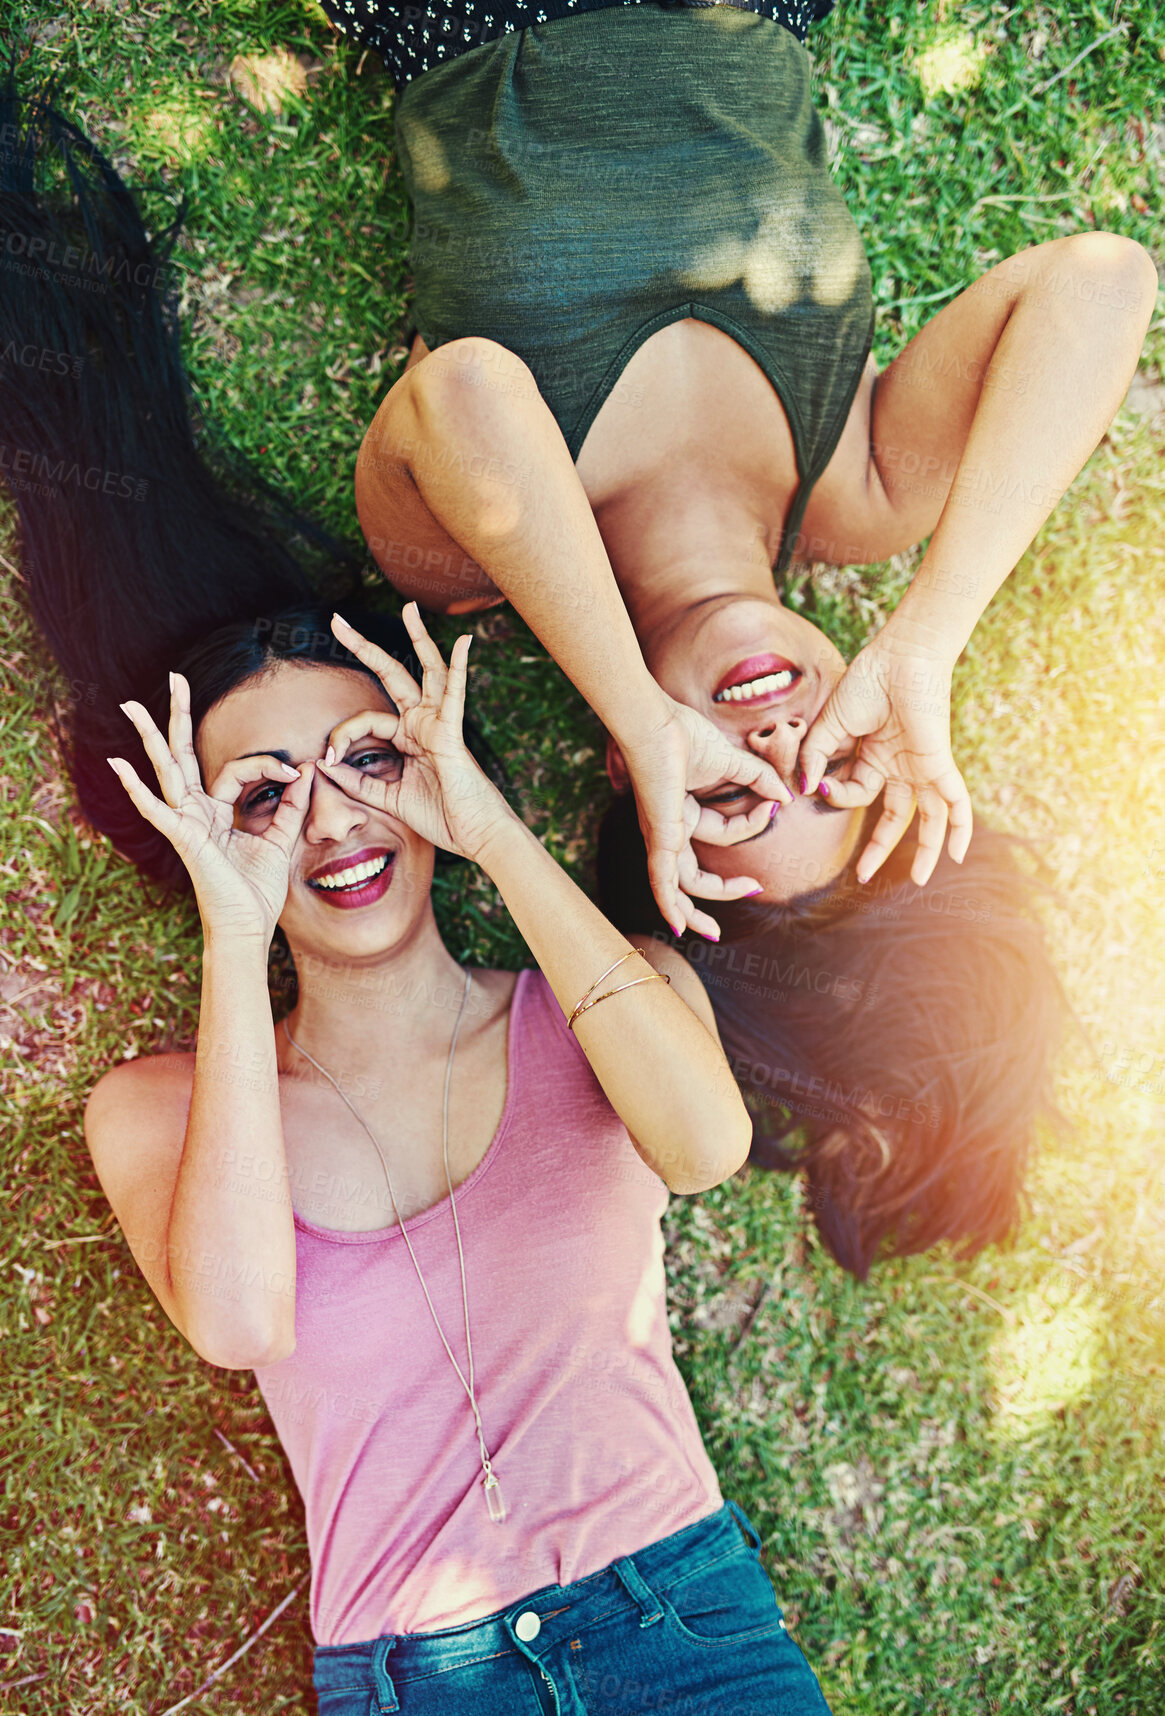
[661, 1067]
[976, 431]
[1060, 329]
[465, 444]
[217, 1246]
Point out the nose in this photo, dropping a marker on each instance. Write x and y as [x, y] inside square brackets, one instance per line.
[331, 814]
[778, 739]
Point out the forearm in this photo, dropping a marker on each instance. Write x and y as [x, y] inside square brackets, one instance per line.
[662, 1071]
[490, 464]
[1058, 372]
[231, 1238]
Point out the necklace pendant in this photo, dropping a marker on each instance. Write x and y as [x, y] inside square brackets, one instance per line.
[494, 1499]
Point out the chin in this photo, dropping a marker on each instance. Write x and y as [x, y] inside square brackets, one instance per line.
[376, 919]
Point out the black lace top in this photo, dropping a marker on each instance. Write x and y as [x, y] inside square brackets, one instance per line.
[412, 39]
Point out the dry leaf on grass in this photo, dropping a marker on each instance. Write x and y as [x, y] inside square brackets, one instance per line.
[266, 80]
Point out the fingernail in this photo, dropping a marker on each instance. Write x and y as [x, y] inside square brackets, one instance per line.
[774, 810]
[708, 936]
[292, 774]
[753, 892]
[823, 788]
[330, 755]
[124, 707]
[804, 781]
[113, 762]
[171, 683]
[339, 620]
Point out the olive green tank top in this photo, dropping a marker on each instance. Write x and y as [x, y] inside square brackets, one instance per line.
[578, 185]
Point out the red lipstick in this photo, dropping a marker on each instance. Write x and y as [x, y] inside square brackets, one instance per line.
[360, 892]
[758, 667]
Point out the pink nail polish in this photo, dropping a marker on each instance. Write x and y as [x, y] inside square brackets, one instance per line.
[753, 892]
[804, 781]
[774, 810]
[708, 936]
[823, 788]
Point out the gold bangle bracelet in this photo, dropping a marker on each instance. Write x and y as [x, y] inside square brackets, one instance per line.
[586, 995]
[585, 1005]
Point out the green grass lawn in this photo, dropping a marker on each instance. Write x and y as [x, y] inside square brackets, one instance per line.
[957, 1468]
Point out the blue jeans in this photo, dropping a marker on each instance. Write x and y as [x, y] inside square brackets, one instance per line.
[689, 1625]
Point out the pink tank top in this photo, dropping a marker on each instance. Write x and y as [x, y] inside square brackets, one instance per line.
[586, 1417]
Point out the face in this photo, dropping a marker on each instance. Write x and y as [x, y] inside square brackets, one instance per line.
[360, 879]
[761, 673]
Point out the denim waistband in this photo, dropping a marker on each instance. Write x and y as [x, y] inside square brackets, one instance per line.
[560, 1611]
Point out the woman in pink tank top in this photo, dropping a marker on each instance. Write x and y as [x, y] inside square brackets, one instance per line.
[425, 1209]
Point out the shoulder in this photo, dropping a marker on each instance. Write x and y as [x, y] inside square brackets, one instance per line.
[135, 1128]
[154, 1089]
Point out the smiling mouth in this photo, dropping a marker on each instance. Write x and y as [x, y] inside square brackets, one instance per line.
[761, 678]
[356, 876]
[754, 689]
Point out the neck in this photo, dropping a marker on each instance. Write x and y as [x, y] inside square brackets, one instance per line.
[351, 1015]
[684, 550]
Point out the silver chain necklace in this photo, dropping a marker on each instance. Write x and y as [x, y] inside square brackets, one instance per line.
[494, 1500]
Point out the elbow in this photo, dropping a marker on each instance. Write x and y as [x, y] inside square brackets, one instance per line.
[242, 1346]
[243, 1354]
[231, 1325]
[708, 1161]
[462, 387]
[1113, 272]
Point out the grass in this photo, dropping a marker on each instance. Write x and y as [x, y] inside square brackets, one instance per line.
[956, 1468]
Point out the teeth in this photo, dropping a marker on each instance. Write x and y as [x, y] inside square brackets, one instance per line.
[756, 687]
[358, 873]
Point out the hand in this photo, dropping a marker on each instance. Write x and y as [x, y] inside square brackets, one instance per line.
[240, 879]
[440, 792]
[684, 755]
[894, 708]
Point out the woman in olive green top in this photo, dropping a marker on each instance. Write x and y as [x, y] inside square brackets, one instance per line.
[641, 384]
[650, 310]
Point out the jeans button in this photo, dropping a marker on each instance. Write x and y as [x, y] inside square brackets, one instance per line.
[528, 1626]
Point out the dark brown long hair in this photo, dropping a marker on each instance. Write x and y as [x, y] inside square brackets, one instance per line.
[896, 1043]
